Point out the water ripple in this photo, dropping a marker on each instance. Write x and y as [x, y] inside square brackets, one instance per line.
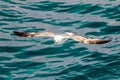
[38, 58]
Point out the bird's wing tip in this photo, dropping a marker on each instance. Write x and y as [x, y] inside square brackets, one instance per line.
[96, 41]
[21, 34]
[102, 41]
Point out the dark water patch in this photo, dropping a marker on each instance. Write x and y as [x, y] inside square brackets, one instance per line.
[4, 39]
[61, 49]
[61, 55]
[78, 52]
[94, 33]
[10, 19]
[93, 25]
[1, 24]
[67, 23]
[117, 19]
[14, 28]
[91, 9]
[48, 42]
[115, 16]
[4, 71]
[11, 49]
[13, 2]
[16, 65]
[79, 77]
[94, 56]
[30, 19]
[2, 58]
[114, 67]
[110, 58]
[79, 8]
[11, 13]
[43, 5]
[46, 51]
[111, 29]
[73, 8]
[74, 68]
[70, 8]
[99, 73]
[55, 61]
[3, 6]
[48, 21]
[3, 31]
[35, 65]
[108, 12]
[3, 77]
[51, 51]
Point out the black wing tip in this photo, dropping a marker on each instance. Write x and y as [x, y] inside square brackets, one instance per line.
[104, 42]
[21, 34]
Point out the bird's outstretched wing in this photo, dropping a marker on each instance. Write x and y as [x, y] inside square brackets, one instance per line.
[87, 40]
[33, 34]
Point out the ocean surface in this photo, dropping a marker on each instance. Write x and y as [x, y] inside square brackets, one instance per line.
[39, 58]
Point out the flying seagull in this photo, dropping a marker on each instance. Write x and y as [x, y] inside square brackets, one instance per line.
[60, 37]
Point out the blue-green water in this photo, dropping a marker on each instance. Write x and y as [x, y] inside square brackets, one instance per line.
[38, 58]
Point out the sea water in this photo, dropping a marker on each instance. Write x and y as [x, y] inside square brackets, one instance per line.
[38, 58]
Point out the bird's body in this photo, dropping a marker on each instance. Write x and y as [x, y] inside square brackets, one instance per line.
[58, 38]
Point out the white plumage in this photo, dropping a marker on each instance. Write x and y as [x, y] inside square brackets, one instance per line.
[58, 38]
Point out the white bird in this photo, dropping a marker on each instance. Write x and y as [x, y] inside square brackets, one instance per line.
[58, 38]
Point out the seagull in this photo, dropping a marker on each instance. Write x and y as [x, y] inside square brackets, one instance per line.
[58, 38]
